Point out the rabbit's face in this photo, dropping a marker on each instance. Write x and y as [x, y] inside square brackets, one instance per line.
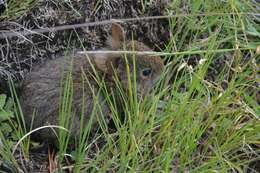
[147, 68]
[146, 71]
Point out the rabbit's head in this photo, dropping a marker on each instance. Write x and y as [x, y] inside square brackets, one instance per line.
[147, 68]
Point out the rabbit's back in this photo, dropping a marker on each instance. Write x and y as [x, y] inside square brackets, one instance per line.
[43, 88]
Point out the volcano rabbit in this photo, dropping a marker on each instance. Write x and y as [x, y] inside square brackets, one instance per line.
[41, 90]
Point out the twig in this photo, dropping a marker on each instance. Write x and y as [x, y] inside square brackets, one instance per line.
[8, 34]
[39, 128]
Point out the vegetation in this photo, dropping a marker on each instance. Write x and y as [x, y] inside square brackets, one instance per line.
[15, 9]
[203, 117]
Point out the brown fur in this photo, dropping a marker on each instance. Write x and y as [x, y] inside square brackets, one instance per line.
[42, 87]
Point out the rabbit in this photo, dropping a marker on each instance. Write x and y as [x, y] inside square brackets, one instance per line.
[41, 88]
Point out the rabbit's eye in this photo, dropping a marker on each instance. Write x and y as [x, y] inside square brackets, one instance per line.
[147, 72]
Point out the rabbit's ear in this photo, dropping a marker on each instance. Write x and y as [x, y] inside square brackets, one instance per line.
[100, 61]
[117, 37]
[105, 62]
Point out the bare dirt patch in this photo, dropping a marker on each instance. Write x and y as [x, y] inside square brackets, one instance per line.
[19, 53]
